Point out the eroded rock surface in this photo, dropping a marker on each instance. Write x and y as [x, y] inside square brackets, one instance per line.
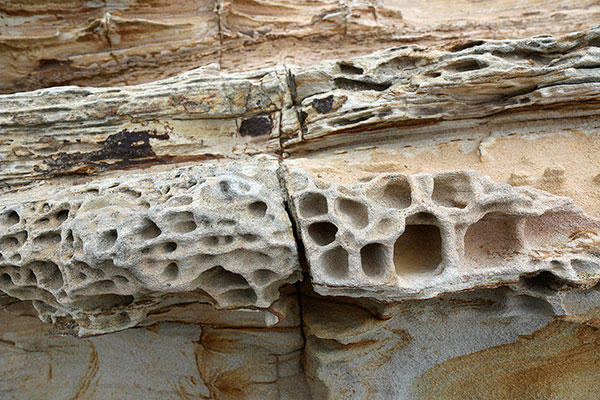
[396, 236]
[107, 252]
[440, 205]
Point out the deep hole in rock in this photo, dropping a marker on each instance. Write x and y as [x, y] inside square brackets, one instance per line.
[467, 65]
[149, 230]
[346, 68]
[48, 238]
[263, 276]
[452, 190]
[373, 259]
[103, 302]
[545, 281]
[335, 262]
[322, 233]
[10, 218]
[240, 296]
[182, 222]
[171, 271]
[492, 239]
[170, 247]
[219, 278]
[258, 209]
[62, 215]
[354, 213]
[6, 278]
[313, 204]
[418, 249]
[249, 237]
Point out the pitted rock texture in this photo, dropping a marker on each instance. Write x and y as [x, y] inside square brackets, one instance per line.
[413, 90]
[395, 236]
[110, 250]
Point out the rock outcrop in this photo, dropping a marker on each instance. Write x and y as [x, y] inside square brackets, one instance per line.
[417, 222]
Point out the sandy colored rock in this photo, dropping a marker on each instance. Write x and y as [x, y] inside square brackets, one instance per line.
[428, 171]
[107, 253]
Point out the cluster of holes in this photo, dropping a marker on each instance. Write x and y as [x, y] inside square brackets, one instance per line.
[45, 274]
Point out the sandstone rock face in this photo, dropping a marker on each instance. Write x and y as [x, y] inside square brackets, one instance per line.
[412, 217]
[396, 237]
[107, 253]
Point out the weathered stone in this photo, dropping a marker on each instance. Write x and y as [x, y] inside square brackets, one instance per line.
[396, 236]
[106, 253]
[425, 276]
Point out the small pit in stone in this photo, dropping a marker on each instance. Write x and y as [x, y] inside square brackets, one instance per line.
[258, 209]
[352, 212]
[373, 259]
[322, 233]
[108, 239]
[171, 271]
[170, 247]
[149, 230]
[397, 194]
[182, 222]
[394, 193]
[452, 190]
[263, 276]
[418, 249]
[493, 239]
[335, 262]
[313, 204]
[62, 215]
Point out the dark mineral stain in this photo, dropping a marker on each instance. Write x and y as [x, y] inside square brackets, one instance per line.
[256, 126]
[323, 105]
[121, 149]
[123, 145]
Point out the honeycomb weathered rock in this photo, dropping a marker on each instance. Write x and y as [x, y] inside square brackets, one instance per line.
[397, 236]
[117, 246]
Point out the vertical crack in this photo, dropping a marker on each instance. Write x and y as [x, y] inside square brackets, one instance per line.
[291, 82]
[217, 9]
[288, 205]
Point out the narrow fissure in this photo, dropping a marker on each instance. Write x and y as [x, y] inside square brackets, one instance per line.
[281, 171]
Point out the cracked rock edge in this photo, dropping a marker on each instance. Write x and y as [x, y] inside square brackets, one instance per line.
[108, 253]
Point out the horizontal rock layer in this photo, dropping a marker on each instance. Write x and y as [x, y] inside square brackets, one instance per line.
[129, 42]
[444, 202]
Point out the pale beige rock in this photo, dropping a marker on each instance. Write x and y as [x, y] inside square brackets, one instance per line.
[107, 253]
[457, 284]
[393, 236]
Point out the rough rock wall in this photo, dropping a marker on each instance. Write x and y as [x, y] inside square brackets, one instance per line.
[125, 42]
[413, 223]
